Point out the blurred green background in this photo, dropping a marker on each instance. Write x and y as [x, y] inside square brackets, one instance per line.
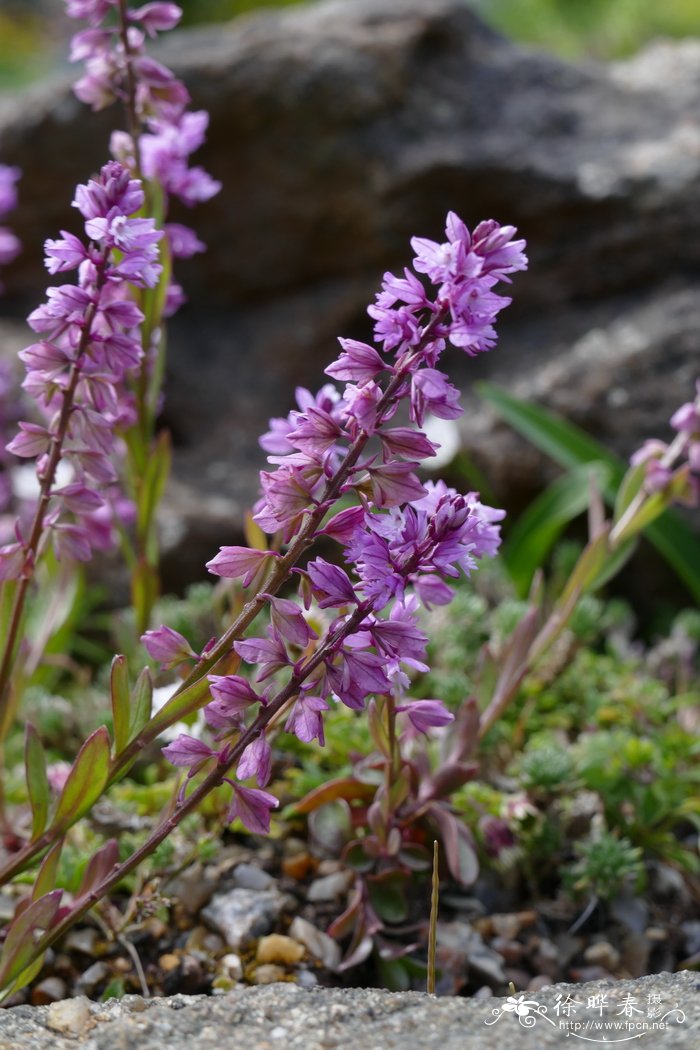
[33, 33]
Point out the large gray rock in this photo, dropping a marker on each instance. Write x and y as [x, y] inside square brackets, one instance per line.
[338, 130]
[663, 1010]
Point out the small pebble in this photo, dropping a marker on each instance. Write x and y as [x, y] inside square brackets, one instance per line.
[268, 973]
[279, 949]
[318, 943]
[90, 978]
[329, 887]
[50, 990]
[656, 934]
[70, 1016]
[602, 953]
[251, 877]
[169, 962]
[233, 966]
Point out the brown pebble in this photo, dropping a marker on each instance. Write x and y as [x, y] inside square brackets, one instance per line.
[50, 990]
[169, 962]
[268, 973]
[279, 949]
[657, 934]
[299, 866]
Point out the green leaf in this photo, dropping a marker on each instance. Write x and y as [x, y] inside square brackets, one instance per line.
[387, 895]
[145, 587]
[20, 943]
[629, 488]
[569, 446]
[141, 703]
[86, 780]
[155, 477]
[37, 780]
[121, 702]
[541, 525]
[46, 876]
[565, 443]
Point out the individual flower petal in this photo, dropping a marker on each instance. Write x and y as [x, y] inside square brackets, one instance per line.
[252, 807]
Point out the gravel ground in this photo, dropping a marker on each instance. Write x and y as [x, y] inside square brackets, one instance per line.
[663, 1008]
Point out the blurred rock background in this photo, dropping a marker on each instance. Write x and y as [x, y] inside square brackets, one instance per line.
[342, 127]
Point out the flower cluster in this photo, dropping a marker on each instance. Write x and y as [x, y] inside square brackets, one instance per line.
[9, 244]
[402, 540]
[678, 462]
[118, 67]
[89, 341]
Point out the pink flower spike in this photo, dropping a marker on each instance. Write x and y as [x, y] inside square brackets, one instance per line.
[168, 647]
[235, 562]
[252, 807]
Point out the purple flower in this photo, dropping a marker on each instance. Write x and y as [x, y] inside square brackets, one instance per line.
[394, 484]
[358, 363]
[252, 807]
[268, 654]
[306, 720]
[233, 697]
[256, 761]
[431, 392]
[425, 715]
[188, 752]
[331, 584]
[167, 646]
[235, 562]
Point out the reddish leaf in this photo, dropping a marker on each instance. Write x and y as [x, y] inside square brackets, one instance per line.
[86, 780]
[344, 787]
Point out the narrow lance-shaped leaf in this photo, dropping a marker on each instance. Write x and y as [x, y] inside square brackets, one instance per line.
[121, 702]
[46, 876]
[141, 703]
[37, 780]
[99, 867]
[86, 780]
[156, 476]
[20, 943]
